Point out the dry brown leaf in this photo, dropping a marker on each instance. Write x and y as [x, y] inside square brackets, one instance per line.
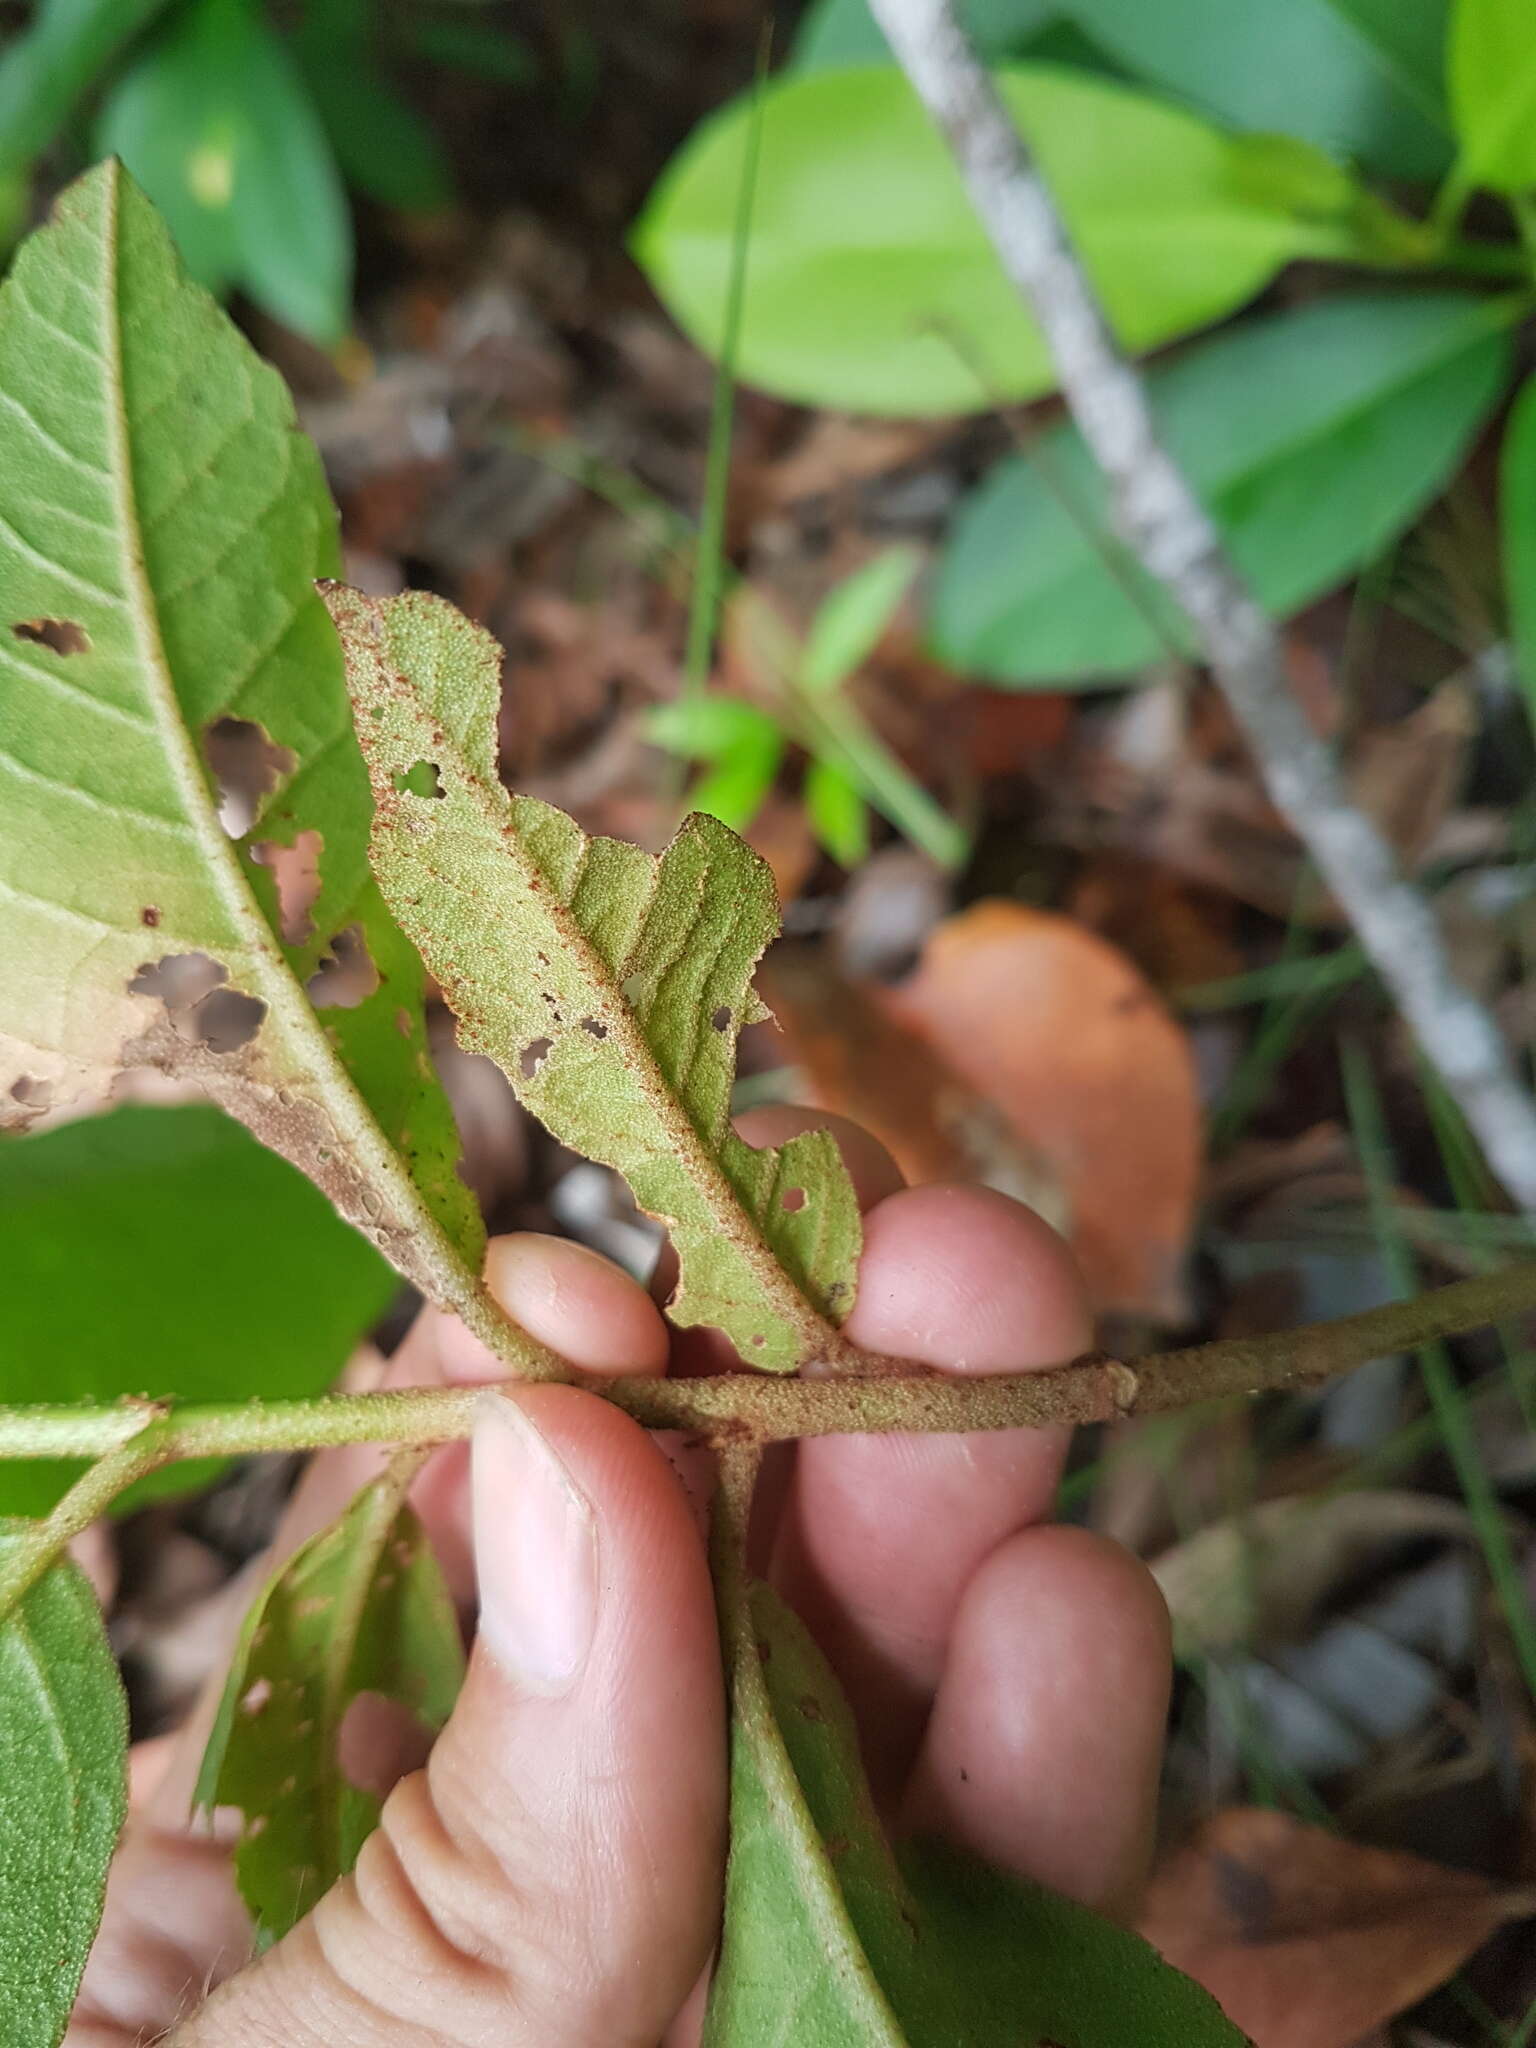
[1178, 934]
[1407, 775]
[1309, 1941]
[1060, 1031]
[1261, 1577]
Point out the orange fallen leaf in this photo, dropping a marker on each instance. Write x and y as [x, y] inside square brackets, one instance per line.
[859, 1061]
[1308, 1941]
[1057, 1028]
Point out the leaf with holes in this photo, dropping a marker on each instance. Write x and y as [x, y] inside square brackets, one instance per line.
[607, 985]
[63, 1794]
[831, 1941]
[183, 809]
[359, 1614]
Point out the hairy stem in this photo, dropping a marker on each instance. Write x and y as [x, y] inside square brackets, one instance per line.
[758, 1408]
[1172, 535]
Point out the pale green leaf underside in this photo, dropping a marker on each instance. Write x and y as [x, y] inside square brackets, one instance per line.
[831, 1942]
[63, 1794]
[162, 521]
[609, 986]
[362, 1608]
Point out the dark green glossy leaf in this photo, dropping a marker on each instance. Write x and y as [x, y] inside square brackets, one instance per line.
[63, 1794]
[1517, 529]
[382, 144]
[1360, 78]
[830, 1941]
[480, 49]
[214, 122]
[361, 1609]
[1313, 436]
[47, 69]
[845, 32]
[163, 1251]
[870, 283]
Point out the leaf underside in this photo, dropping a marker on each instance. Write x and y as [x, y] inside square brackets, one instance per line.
[360, 1609]
[608, 985]
[63, 1795]
[163, 654]
[831, 1941]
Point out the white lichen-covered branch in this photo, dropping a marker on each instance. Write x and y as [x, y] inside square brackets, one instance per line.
[1172, 535]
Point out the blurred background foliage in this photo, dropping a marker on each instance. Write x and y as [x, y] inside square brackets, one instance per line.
[692, 376]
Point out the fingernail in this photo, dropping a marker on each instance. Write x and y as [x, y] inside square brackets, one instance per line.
[535, 1552]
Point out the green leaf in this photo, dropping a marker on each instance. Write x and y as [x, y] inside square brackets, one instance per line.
[161, 524]
[1517, 530]
[837, 812]
[851, 619]
[361, 1608]
[1360, 78]
[47, 69]
[607, 985]
[1313, 436]
[164, 1252]
[214, 122]
[1492, 66]
[828, 1939]
[708, 725]
[870, 283]
[63, 1795]
[845, 32]
[736, 787]
[480, 49]
[382, 144]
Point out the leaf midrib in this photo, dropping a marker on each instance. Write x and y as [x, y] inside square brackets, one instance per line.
[359, 1568]
[820, 1893]
[288, 1008]
[694, 1154]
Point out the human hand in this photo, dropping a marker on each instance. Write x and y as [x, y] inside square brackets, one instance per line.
[553, 1874]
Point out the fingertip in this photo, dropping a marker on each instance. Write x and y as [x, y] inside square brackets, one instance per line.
[1043, 1750]
[968, 1280]
[568, 1297]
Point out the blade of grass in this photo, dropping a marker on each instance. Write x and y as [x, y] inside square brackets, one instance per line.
[1283, 977]
[1368, 1124]
[837, 732]
[709, 558]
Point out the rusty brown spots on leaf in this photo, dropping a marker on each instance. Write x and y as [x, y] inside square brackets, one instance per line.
[59, 636]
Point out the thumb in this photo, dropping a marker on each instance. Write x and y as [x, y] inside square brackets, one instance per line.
[553, 1875]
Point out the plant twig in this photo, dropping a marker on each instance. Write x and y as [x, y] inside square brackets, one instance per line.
[758, 1408]
[1175, 540]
